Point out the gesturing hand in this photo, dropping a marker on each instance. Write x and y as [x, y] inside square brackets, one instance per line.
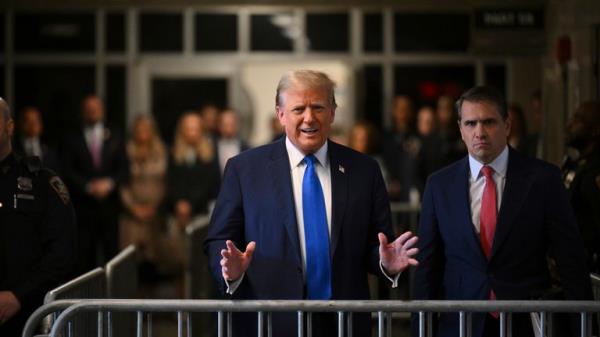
[234, 263]
[397, 255]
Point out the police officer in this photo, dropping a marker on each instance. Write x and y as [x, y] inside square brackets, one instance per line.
[581, 174]
[37, 232]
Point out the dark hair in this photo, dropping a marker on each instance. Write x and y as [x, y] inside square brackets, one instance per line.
[483, 94]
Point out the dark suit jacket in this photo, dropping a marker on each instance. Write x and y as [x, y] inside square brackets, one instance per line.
[534, 220]
[78, 166]
[256, 203]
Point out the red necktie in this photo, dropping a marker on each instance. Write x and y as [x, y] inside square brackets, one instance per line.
[487, 223]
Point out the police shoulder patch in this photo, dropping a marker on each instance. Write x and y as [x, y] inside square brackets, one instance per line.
[59, 187]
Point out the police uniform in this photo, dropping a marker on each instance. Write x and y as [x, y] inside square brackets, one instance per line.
[582, 181]
[37, 235]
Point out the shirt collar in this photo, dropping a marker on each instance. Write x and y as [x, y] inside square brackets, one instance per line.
[296, 156]
[499, 164]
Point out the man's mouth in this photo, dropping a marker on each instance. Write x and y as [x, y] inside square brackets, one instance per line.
[309, 131]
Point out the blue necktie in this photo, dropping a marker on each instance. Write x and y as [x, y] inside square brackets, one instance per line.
[316, 234]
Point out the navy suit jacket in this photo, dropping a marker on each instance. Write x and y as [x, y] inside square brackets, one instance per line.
[256, 203]
[534, 220]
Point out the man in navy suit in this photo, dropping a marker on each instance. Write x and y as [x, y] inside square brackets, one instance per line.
[312, 216]
[489, 221]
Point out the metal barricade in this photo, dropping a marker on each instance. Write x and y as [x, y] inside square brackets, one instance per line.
[343, 311]
[197, 276]
[595, 285]
[90, 285]
[405, 216]
[122, 283]
[197, 279]
[121, 274]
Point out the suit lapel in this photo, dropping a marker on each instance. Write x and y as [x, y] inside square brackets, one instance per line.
[460, 202]
[279, 168]
[515, 191]
[339, 194]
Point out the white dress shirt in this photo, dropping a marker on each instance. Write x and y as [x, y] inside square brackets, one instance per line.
[477, 183]
[94, 133]
[227, 148]
[33, 146]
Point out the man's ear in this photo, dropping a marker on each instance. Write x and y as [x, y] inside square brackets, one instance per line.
[279, 113]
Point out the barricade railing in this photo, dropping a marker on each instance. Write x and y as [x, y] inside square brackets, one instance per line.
[305, 309]
[91, 285]
[197, 279]
[122, 274]
[596, 285]
[196, 275]
[122, 283]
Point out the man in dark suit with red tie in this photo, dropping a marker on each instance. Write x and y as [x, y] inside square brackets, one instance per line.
[303, 217]
[489, 221]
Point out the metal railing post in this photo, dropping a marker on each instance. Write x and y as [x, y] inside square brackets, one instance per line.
[502, 324]
[340, 324]
[260, 332]
[462, 321]
[220, 324]
[300, 324]
[380, 326]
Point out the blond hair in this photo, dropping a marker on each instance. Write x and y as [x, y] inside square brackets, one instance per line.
[305, 79]
[203, 147]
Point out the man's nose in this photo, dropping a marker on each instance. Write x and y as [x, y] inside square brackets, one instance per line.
[309, 115]
[480, 130]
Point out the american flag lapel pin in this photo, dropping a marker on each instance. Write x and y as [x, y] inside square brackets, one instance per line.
[341, 169]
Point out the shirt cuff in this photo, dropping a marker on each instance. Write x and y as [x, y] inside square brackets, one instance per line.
[393, 279]
[233, 285]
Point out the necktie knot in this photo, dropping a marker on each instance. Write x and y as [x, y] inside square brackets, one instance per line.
[487, 171]
[310, 160]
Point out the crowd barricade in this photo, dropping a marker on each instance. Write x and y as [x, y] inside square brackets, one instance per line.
[197, 279]
[91, 285]
[304, 310]
[122, 283]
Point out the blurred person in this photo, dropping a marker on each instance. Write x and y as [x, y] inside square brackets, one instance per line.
[488, 223]
[536, 115]
[95, 166]
[429, 156]
[29, 141]
[311, 216]
[426, 121]
[228, 144]
[193, 177]
[363, 137]
[144, 194]
[210, 120]
[518, 130]
[37, 232]
[277, 131]
[581, 175]
[452, 148]
[400, 150]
